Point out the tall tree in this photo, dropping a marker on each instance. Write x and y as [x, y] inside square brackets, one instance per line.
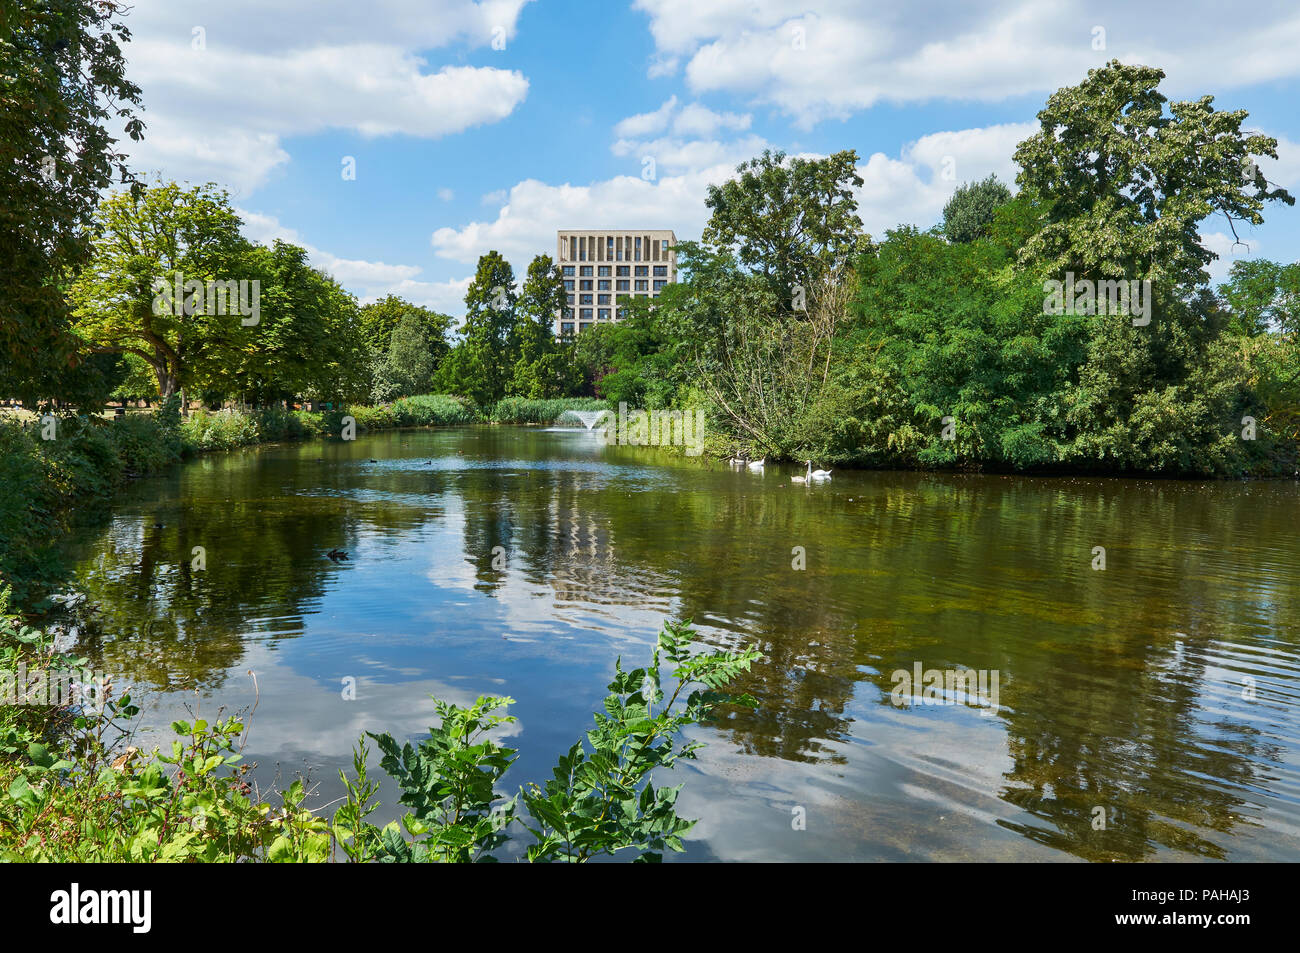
[380, 318]
[543, 364]
[480, 366]
[969, 213]
[142, 244]
[794, 220]
[63, 85]
[1127, 183]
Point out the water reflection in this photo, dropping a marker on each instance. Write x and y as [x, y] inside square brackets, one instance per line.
[1147, 710]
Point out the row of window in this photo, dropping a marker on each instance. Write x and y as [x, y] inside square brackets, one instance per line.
[616, 248]
[605, 299]
[622, 271]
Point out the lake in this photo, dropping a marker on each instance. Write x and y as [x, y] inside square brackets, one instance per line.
[1144, 711]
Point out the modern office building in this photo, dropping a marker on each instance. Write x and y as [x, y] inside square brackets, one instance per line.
[600, 265]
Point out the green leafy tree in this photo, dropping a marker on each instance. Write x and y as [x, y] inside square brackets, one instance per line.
[63, 86]
[1263, 295]
[482, 363]
[969, 213]
[155, 236]
[380, 319]
[544, 364]
[1127, 183]
[407, 369]
[793, 220]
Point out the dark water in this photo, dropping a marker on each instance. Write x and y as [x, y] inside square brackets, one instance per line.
[1159, 697]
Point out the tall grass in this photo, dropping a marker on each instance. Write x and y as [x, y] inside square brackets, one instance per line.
[522, 410]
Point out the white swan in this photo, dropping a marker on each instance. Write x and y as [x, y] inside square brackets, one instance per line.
[757, 464]
[817, 474]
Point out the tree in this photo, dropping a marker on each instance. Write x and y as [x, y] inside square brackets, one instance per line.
[969, 213]
[794, 220]
[480, 366]
[308, 341]
[142, 245]
[63, 81]
[408, 367]
[1127, 184]
[543, 367]
[1263, 295]
[380, 318]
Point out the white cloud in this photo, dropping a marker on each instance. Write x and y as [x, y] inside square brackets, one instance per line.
[222, 111]
[908, 188]
[446, 194]
[647, 124]
[526, 224]
[368, 280]
[848, 56]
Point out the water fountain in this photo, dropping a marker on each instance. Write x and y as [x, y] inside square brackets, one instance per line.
[588, 417]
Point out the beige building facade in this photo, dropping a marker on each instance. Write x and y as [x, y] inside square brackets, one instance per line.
[602, 265]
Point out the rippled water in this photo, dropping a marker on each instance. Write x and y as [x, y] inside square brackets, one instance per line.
[1145, 711]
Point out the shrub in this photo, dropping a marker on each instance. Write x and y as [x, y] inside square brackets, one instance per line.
[524, 410]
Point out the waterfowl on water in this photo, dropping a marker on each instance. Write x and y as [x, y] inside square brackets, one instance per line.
[337, 555]
[817, 474]
[757, 464]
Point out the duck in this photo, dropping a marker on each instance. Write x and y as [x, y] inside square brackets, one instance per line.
[757, 464]
[736, 460]
[338, 555]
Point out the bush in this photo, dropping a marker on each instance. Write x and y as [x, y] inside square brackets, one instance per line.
[42, 480]
[523, 410]
[434, 410]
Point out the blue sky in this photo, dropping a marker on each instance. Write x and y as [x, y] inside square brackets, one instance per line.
[488, 125]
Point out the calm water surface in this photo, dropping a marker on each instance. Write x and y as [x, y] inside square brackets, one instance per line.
[1126, 690]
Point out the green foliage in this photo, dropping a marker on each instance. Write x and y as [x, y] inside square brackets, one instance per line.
[522, 410]
[481, 365]
[969, 213]
[793, 220]
[75, 794]
[64, 87]
[448, 781]
[1127, 183]
[42, 480]
[407, 367]
[600, 799]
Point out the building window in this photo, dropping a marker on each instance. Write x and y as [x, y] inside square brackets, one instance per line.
[661, 271]
[585, 314]
[642, 271]
[603, 314]
[659, 285]
[568, 271]
[638, 248]
[640, 286]
[602, 299]
[568, 285]
[624, 271]
[584, 286]
[566, 327]
[624, 286]
[585, 271]
[603, 271]
[602, 285]
[568, 314]
[571, 301]
[586, 299]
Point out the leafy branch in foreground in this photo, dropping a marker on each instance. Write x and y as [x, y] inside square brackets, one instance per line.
[600, 799]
